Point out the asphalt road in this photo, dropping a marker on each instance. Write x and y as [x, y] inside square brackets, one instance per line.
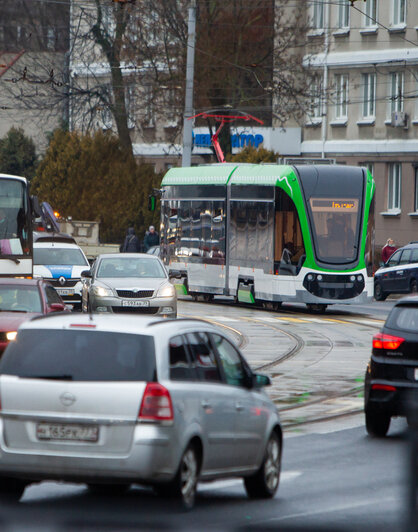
[334, 476]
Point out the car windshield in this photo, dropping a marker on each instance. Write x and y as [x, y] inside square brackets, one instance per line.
[404, 318]
[59, 257]
[130, 267]
[80, 355]
[20, 299]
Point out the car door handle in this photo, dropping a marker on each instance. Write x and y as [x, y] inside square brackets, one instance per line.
[239, 406]
[206, 405]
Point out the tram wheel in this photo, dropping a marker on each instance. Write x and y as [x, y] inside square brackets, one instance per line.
[208, 298]
[316, 308]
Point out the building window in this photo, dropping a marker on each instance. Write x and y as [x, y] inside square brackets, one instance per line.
[370, 13]
[130, 105]
[369, 95]
[318, 15]
[394, 187]
[149, 106]
[316, 98]
[368, 166]
[50, 39]
[341, 95]
[416, 190]
[399, 12]
[344, 14]
[396, 91]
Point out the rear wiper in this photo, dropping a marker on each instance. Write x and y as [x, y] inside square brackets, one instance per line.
[52, 377]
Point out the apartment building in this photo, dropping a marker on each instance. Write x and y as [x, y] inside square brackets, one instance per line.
[365, 101]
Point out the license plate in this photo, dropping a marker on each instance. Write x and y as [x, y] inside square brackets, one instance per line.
[416, 374]
[65, 292]
[58, 431]
[134, 303]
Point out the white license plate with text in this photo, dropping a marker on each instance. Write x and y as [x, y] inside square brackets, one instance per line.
[134, 303]
[59, 431]
[65, 291]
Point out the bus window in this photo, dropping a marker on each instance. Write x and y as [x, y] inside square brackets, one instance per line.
[14, 217]
[289, 249]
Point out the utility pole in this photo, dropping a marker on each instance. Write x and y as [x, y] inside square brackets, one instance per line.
[188, 104]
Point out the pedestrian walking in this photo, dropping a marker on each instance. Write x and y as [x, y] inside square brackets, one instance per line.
[131, 243]
[388, 249]
[151, 238]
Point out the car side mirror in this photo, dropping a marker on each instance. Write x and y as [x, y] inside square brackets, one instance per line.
[57, 307]
[259, 380]
[174, 274]
[86, 273]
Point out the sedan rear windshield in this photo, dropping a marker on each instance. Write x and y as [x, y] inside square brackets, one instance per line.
[59, 257]
[80, 355]
[404, 318]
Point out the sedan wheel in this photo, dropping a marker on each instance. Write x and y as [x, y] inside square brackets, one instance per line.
[264, 483]
[183, 487]
[377, 423]
[379, 295]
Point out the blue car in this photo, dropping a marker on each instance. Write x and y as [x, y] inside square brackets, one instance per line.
[399, 275]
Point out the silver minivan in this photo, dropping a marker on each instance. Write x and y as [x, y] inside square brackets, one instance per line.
[114, 400]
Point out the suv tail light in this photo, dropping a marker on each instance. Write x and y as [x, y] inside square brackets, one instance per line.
[386, 341]
[156, 404]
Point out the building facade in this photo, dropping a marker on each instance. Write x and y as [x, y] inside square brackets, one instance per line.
[365, 102]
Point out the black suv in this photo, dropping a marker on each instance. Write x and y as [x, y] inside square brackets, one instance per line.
[399, 275]
[391, 384]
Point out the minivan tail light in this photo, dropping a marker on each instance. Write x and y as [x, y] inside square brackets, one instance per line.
[386, 341]
[385, 387]
[156, 403]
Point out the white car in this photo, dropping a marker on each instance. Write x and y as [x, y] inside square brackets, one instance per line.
[61, 263]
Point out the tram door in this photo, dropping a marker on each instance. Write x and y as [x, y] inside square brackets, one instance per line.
[289, 249]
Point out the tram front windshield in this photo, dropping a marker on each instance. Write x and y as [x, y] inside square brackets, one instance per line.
[14, 220]
[336, 227]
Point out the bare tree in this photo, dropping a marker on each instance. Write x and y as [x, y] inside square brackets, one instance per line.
[121, 65]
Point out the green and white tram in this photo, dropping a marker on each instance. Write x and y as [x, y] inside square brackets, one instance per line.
[270, 233]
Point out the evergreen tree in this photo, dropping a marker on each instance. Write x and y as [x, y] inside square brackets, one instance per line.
[17, 154]
[90, 177]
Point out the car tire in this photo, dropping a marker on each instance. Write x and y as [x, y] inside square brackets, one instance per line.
[11, 489]
[379, 294]
[414, 287]
[377, 423]
[264, 484]
[183, 486]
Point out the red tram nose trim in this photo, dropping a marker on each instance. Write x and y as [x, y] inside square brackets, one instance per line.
[385, 387]
[386, 341]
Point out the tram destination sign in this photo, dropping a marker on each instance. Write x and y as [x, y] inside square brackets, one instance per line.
[334, 205]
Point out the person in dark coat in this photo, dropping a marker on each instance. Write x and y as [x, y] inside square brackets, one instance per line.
[151, 238]
[131, 243]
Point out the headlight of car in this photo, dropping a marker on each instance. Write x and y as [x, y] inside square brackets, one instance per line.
[11, 335]
[101, 291]
[167, 290]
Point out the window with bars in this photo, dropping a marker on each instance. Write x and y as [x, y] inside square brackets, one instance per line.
[343, 14]
[394, 186]
[341, 95]
[369, 95]
[396, 94]
[399, 12]
[370, 13]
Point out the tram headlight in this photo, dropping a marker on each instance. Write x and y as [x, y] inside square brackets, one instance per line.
[352, 278]
[310, 277]
[319, 277]
[359, 278]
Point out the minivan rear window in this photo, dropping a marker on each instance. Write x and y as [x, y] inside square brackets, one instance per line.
[80, 355]
[404, 318]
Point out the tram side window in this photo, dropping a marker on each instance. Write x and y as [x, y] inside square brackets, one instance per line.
[289, 249]
[251, 236]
